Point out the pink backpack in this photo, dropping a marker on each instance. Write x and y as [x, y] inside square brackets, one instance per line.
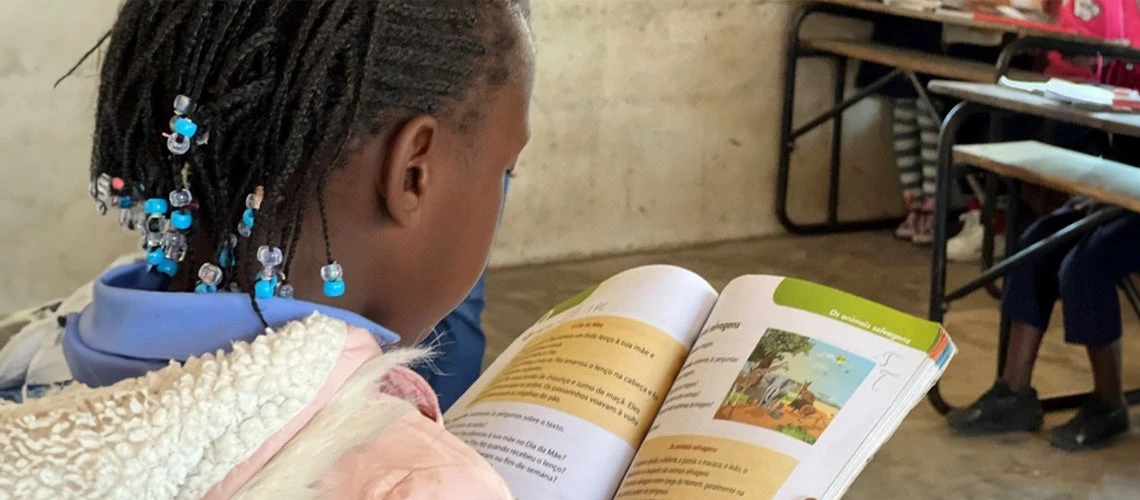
[1107, 19]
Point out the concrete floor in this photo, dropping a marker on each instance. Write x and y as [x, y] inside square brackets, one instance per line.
[922, 460]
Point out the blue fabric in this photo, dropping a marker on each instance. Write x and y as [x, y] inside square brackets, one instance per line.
[1083, 274]
[17, 394]
[130, 328]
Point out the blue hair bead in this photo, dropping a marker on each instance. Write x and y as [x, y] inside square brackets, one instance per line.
[185, 126]
[168, 267]
[334, 288]
[247, 218]
[181, 220]
[157, 206]
[264, 289]
[124, 202]
[155, 257]
[224, 257]
[204, 288]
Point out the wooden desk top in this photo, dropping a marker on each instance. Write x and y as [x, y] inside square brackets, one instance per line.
[926, 63]
[1062, 169]
[1021, 31]
[1018, 101]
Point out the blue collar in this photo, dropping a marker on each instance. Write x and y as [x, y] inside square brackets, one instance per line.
[131, 328]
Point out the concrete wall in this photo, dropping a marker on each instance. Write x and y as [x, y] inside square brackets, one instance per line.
[655, 125]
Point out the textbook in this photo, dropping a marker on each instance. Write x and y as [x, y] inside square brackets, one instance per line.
[653, 386]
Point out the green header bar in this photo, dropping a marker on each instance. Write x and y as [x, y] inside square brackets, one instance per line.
[861, 313]
[568, 303]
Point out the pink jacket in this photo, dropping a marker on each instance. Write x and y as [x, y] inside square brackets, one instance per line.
[313, 410]
[1114, 20]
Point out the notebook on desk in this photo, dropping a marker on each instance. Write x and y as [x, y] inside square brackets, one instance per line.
[1095, 97]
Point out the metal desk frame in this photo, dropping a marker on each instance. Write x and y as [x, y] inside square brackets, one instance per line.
[790, 133]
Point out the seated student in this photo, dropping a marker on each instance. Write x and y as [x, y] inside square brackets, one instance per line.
[1083, 275]
[317, 183]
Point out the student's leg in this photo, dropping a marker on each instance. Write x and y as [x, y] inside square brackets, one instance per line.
[1090, 302]
[928, 128]
[1030, 292]
[1028, 298]
[906, 145]
[1092, 318]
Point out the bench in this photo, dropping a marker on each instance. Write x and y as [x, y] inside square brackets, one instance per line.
[913, 60]
[1058, 168]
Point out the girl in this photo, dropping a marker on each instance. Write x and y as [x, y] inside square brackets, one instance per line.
[315, 183]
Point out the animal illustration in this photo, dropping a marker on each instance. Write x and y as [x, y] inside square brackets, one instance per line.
[746, 380]
[804, 398]
[752, 383]
[775, 387]
[807, 410]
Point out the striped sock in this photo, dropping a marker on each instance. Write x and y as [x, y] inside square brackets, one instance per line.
[928, 132]
[906, 145]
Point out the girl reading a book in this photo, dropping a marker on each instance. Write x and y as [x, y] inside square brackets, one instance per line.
[316, 184]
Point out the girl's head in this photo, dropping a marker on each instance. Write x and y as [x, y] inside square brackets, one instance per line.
[379, 132]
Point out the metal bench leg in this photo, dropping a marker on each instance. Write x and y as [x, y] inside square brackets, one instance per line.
[1012, 247]
[836, 142]
[938, 305]
[791, 59]
[1131, 293]
[788, 136]
[992, 182]
[989, 219]
[946, 140]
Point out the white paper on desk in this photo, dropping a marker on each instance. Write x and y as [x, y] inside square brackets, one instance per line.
[1032, 87]
[1079, 94]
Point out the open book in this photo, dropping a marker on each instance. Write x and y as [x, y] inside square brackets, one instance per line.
[651, 386]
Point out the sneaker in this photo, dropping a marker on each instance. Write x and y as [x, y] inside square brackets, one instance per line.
[924, 229]
[966, 246]
[1094, 426]
[905, 231]
[999, 410]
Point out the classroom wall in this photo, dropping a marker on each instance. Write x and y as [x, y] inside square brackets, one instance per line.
[655, 124]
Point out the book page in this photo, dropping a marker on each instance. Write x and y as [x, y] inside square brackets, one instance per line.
[561, 413]
[778, 393]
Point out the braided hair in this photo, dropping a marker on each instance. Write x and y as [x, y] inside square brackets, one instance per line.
[284, 91]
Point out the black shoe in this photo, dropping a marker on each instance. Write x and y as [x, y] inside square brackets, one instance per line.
[1096, 425]
[999, 410]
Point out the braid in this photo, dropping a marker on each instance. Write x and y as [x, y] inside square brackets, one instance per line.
[284, 90]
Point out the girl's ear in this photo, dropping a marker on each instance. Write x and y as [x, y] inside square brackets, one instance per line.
[406, 175]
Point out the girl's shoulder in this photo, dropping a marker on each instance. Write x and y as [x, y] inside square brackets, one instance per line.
[282, 411]
[379, 436]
